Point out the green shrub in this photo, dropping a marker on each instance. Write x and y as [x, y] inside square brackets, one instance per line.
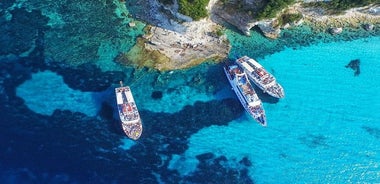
[219, 32]
[338, 6]
[272, 7]
[289, 18]
[195, 9]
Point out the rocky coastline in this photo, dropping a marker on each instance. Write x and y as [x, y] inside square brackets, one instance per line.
[317, 18]
[165, 49]
[169, 40]
[174, 42]
[364, 17]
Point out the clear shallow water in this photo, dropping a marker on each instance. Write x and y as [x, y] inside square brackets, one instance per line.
[46, 92]
[325, 130]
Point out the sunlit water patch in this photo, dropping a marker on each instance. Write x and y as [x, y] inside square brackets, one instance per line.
[127, 143]
[47, 91]
[322, 131]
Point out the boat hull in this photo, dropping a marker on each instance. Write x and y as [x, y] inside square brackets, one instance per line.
[255, 111]
[279, 94]
[128, 113]
[260, 77]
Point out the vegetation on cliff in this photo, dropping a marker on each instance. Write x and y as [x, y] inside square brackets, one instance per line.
[166, 2]
[272, 7]
[288, 18]
[195, 9]
[337, 6]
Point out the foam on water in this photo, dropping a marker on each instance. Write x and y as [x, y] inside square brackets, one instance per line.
[322, 131]
[47, 91]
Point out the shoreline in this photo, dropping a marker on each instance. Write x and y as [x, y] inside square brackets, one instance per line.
[170, 42]
[198, 42]
[352, 18]
[178, 50]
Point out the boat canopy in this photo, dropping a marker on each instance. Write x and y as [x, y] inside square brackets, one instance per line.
[254, 63]
[247, 67]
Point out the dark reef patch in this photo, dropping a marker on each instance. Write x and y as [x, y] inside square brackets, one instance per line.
[213, 169]
[156, 95]
[85, 77]
[354, 65]
[6, 4]
[246, 162]
[30, 37]
[314, 141]
[18, 35]
[283, 155]
[88, 77]
[189, 120]
[73, 148]
[106, 111]
[372, 131]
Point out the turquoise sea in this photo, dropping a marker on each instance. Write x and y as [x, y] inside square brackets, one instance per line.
[326, 129]
[58, 122]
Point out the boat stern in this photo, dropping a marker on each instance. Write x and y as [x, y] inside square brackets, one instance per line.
[133, 130]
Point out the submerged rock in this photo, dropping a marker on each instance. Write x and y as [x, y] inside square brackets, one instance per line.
[368, 27]
[156, 94]
[218, 170]
[355, 65]
[336, 30]
[30, 24]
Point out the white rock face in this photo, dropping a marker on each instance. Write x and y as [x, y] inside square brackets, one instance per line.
[268, 29]
[198, 41]
[336, 30]
[374, 11]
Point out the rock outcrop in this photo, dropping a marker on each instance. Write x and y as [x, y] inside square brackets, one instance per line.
[179, 43]
[242, 18]
[368, 27]
[175, 41]
[164, 49]
[335, 30]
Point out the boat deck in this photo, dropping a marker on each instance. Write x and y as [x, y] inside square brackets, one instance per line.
[128, 112]
[246, 93]
[262, 78]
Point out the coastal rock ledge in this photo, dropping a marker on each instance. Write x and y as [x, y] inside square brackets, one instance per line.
[174, 41]
[165, 49]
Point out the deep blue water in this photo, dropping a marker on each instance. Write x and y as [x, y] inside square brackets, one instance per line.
[58, 122]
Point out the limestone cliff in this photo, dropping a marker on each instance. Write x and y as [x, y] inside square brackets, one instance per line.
[179, 42]
[242, 13]
[174, 41]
